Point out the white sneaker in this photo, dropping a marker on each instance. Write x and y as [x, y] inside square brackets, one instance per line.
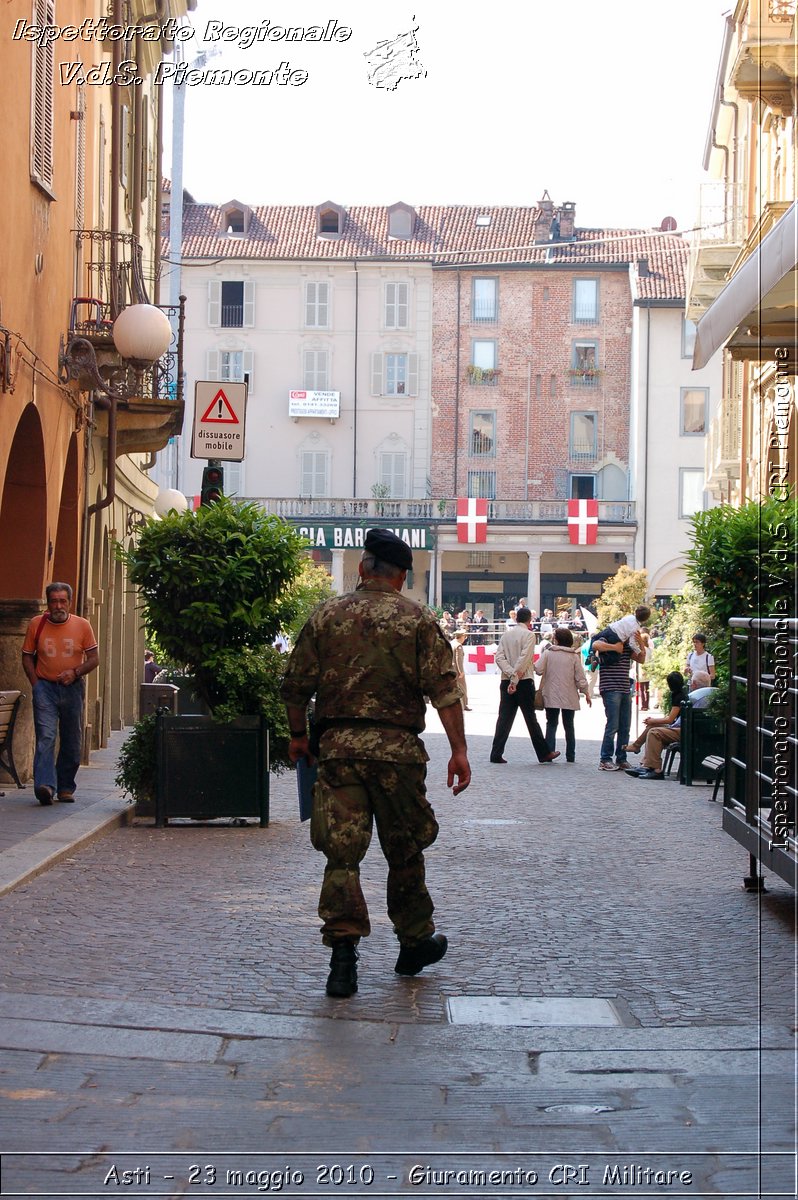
[608, 766]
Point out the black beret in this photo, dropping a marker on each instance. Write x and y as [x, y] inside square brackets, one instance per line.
[389, 548]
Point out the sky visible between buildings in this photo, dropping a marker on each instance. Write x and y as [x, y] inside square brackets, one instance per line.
[443, 102]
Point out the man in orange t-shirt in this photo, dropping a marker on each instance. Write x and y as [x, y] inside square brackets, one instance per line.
[58, 651]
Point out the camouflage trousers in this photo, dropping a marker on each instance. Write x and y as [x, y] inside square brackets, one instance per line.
[347, 796]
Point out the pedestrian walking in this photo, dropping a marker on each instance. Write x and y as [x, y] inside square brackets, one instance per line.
[59, 650]
[562, 682]
[511, 650]
[370, 657]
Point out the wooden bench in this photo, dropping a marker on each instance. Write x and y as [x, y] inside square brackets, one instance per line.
[714, 762]
[9, 706]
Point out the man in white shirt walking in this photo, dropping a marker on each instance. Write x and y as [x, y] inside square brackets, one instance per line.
[512, 646]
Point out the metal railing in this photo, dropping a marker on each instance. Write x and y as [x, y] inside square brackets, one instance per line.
[232, 316]
[112, 269]
[613, 512]
[759, 804]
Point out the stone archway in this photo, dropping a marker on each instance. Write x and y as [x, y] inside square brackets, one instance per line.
[23, 513]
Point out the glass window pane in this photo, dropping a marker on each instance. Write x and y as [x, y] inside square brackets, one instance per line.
[688, 338]
[484, 354]
[585, 299]
[483, 440]
[691, 486]
[694, 410]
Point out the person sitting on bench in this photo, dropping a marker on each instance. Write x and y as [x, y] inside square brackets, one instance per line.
[665, 731]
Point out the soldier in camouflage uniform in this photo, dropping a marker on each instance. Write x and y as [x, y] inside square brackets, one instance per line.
[370, 658]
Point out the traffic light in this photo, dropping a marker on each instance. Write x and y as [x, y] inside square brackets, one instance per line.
[212, 485]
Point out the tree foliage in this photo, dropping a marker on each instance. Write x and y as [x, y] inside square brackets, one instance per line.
[621, 594]
[744, 559]
[216, 586]
[311, 587]
[686, 617]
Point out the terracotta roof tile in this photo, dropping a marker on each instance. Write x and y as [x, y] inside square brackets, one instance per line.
[442, 234]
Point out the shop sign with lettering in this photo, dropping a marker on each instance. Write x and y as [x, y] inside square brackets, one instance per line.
[345, 537]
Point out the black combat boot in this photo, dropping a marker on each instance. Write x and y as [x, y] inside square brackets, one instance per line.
[413, 959]
[342, 980]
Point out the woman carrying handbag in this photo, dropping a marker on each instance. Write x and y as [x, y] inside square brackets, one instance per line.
[562, 678]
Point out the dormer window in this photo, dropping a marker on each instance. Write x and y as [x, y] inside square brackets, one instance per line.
[401, 221]
[234, 218]
[329, 220]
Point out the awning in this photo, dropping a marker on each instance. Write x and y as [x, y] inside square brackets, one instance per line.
[757, 311]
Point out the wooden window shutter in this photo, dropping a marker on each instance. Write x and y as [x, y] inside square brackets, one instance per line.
[212, 364]
[402, 305]
[42, 101]
[376, 374]
[412, 374]
[249, 303]
[215, 302]
[248, 369]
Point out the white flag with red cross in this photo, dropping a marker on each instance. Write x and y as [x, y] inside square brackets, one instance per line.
[583, 522]
[480, 660]
[472, 519]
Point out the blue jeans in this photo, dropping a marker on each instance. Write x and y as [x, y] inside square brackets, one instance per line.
[57, 709]
[618, 707]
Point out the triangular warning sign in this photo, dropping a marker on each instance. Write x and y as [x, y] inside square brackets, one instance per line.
[219, 406]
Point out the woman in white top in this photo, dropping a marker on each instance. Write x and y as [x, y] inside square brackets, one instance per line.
[698, 659]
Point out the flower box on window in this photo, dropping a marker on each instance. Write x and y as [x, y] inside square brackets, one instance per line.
[481, 374]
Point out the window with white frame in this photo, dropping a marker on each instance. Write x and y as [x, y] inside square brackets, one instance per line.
[586, 300]
[397, 306]
[688, 337]
[42, 100]
[316, 370]
[693, 412]
[482, 439]
[231, 304]
[691, 491]
[484, 300]
[482, 485]
[393, 473]
[233, 478]
[314, 473]
[394, 374]
[317, 304]
[231, 366]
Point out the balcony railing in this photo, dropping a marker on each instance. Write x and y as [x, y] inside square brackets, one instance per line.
[318, 508]
[483, 312]
[585, 314]
[232, 316]
[584, 376]
[112, 270]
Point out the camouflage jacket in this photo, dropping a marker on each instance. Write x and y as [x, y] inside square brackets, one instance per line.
[370, 658]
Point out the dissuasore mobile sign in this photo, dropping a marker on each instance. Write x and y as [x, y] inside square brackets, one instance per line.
[219, 420]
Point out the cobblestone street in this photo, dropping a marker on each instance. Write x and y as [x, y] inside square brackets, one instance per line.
[164, 989]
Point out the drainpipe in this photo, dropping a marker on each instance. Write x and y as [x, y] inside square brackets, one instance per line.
[528, 403]
[108, 404]
[457, 389]
[138, 113]
[354, 392]
[83, 571]
[645, 444]
[116, 120]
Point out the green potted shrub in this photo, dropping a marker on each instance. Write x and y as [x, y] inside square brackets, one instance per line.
[216, 587]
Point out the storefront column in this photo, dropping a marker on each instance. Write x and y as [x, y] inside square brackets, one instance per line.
[338, 571]
[533, 580]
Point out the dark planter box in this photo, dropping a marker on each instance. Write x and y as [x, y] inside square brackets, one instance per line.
[701, 735]
[207, 770]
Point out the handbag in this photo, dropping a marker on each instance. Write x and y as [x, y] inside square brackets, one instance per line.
[540, 702]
